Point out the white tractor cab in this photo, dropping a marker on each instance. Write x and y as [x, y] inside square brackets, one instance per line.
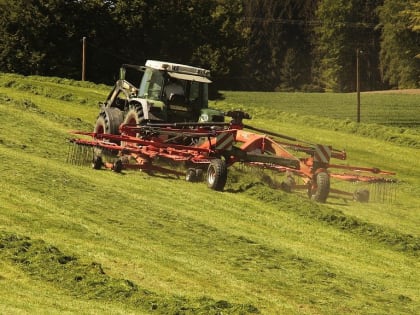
[168, 92]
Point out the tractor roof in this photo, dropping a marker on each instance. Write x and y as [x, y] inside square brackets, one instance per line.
[180, 71]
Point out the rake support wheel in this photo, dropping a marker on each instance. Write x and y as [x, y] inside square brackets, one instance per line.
[320, 193]
[361, 195]
[217, 174]
[97, 163]
[117, 166]
[194, 175]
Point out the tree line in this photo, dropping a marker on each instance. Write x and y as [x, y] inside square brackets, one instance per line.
[266, 45]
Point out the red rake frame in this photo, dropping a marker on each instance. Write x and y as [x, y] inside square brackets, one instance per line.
[196, 145]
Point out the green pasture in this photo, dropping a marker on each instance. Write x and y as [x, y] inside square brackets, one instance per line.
[74, 240]
[390, 109]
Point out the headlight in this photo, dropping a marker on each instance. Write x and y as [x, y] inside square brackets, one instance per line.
[204, 118]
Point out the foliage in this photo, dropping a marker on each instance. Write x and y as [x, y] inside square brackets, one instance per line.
[347, 26]
[44, 37]
[400, 44]
[248, 45]
[277, 31]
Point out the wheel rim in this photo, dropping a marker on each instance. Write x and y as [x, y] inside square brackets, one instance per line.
[132, 121]
[100, 129]
[211, 177]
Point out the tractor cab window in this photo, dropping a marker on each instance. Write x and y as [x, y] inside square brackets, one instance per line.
[194, 92]
[151, 85]
[198, 93]
[174, 87]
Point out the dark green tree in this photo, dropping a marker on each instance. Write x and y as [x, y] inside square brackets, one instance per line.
[276, 27]
[204, 33]
[344, 28]
[400, 43]
[220, 42]
[22, 28]
[289, 72]
[44, 37]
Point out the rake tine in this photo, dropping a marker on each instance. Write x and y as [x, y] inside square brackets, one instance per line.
[89, 156]
[71, 153]
[79, 151]
[68, 153]
[82, 156]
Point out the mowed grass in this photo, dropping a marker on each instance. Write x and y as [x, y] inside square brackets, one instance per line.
[75, 240]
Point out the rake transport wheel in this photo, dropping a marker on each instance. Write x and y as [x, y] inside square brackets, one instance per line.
[117, 166]
[109, 121]
[97, 163]
[320, 191]
[217, 174]
[194, 175]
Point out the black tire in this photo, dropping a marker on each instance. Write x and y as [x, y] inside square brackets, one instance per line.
[191, 176]
[194, 175]
[322, 188]
[217, 175]
[97, 163]
[109, 121]
[361, 195]
[117, 166]
[134, 117]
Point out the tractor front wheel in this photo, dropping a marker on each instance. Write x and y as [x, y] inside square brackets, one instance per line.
[134, 117]
[320, 191]
[217, 174]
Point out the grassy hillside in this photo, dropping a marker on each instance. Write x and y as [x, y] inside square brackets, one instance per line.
[75, 240]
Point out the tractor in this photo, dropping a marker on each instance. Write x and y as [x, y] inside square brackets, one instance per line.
[168, 92]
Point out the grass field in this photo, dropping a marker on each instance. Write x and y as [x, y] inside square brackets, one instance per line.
[74, 240]
[391, 109]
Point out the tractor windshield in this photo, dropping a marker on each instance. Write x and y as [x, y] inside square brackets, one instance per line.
[151, 85]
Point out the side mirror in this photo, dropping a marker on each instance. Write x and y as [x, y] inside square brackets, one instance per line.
[122, 73]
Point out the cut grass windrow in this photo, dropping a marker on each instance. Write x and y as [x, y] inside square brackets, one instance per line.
[88, 280]
[398, 241]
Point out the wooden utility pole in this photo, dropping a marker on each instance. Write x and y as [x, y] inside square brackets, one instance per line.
[358, 52]
[83, 58]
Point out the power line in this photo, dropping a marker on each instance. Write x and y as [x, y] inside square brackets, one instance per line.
[308, 22]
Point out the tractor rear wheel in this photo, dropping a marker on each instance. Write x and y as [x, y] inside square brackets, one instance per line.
[217, 174]
[322, 188]
[109, 121]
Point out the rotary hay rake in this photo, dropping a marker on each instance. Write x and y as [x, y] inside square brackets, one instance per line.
[209, 149]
